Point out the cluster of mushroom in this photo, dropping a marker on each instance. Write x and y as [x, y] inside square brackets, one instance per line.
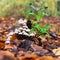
[21, 28]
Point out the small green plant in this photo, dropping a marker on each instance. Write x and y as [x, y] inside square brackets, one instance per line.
[38, 14]
[39, 29]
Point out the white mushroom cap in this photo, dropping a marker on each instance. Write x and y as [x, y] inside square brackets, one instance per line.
[24, 33]
[25, 27]
[27, 30]
[16, 30]
[20, 33]
[25, 20]
[20, 28]
[7, 42]
[32, 34]
[20, 21]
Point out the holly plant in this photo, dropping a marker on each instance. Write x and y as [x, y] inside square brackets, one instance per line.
[38, 13]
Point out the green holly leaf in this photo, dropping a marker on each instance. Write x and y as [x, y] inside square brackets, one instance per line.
[32, 30]
[39, 16]
[33, 22]
[29, 12]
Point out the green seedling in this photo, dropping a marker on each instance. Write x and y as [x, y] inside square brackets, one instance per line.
[38, 14]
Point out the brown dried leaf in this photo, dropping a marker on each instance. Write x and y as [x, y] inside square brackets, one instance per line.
[2, 45]
[6, 55]
[56, 51]
[28, 57]
[45, 58]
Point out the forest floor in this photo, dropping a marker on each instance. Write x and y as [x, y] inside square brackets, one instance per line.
[49, 50]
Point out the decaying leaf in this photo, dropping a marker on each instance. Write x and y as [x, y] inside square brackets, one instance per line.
[6, 55]
[46, 58]
[56, 51]
[2, 45]
[13, 37]
[28, 57]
